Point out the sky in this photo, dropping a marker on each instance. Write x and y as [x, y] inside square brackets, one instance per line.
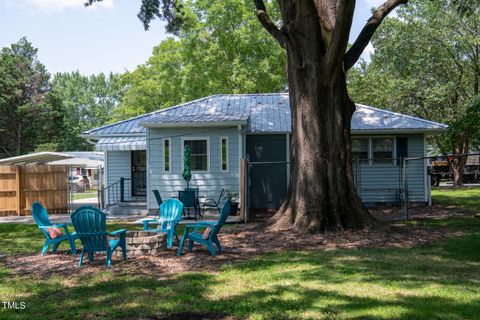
[105, 38]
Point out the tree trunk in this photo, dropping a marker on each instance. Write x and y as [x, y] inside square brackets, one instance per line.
[458, 165]
[460, 150]
[321, 195]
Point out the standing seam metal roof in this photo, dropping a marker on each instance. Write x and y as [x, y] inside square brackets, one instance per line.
[266, 113]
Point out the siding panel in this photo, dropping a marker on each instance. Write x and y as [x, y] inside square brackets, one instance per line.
[381, 183]
[118, 165]
[210, 183]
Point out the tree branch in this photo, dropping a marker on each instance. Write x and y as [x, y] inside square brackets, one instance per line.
[341, 32]
[268, 24]
[354, 53]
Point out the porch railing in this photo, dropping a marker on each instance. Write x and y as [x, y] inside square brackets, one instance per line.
[115, 193]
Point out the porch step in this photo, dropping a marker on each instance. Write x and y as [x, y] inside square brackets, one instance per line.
[128, 208]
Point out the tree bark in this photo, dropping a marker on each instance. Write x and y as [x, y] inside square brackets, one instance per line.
[322, 194]
[459, 162]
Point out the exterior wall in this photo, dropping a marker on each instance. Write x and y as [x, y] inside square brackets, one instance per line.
[117, 165]
[209, 183]
[381, 182]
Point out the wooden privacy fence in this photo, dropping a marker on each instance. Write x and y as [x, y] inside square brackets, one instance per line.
[21, 186]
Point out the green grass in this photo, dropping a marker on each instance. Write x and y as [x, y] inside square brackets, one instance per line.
[81, 196]
[468, 198]
[440, 281]
[18, 238]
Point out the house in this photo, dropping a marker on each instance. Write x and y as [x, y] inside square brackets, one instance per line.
[147, 151]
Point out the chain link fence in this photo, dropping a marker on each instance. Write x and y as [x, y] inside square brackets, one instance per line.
[396, 187]
[267, 188]
[82, 191]
[453, 181]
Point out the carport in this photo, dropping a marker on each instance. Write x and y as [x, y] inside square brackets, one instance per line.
[44, 177]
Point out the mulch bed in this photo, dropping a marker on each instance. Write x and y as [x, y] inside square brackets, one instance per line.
[242, 242]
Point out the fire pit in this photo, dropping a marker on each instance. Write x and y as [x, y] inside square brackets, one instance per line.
[144, 243]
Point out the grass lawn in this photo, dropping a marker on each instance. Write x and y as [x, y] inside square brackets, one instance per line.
[440, 281]
[468, 198]
[18, 238]
[85, 195]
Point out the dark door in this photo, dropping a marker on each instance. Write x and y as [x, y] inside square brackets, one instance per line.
[268, 170]
[139, 173]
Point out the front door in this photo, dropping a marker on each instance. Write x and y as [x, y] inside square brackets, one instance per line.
[139, 173]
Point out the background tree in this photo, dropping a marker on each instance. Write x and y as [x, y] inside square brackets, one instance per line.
[321, 194]
[218, 49]
[29, 114]
[88, 101]
[427, 63]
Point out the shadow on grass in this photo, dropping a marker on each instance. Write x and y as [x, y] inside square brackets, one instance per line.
[19, 238]
[432, 282]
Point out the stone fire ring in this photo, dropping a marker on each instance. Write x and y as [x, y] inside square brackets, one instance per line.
[144, 243]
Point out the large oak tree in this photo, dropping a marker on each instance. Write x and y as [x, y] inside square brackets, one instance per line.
[321, 195]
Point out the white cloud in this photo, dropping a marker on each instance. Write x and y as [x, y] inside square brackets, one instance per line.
[48, 6]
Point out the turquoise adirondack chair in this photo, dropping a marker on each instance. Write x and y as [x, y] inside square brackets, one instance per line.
[40, 215]
[170, 213]
[91, 226]
[209, 239]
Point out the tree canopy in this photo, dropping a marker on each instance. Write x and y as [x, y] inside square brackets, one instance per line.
[29, 113]
[88, 101]
[218, 49]
[427, 63]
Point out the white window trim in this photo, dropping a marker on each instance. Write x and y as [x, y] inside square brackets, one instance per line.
[169, 155]
[227, 149]
[208, 152]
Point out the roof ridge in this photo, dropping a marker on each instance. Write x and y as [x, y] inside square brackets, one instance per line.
[402, 115]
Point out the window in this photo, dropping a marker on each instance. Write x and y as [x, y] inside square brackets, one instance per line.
[224, 154]
[360, 149]
[382, 150]
[166, 155]
[198, 154]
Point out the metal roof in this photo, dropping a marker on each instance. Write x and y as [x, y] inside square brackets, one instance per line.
[168, 120]
[266, 113]
[77, 159]
[121, 144]
[369, 119]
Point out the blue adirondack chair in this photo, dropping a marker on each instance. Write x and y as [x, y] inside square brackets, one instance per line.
[91, 226]
[40, 215]
[169, 216]
[207, 240]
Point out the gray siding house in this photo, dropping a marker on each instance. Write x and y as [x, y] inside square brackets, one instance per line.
[147, 150]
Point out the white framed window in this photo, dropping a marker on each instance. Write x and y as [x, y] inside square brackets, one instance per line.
[383, 150]
[224, 154]
[199, 153]
[167, 154]
[360, 149]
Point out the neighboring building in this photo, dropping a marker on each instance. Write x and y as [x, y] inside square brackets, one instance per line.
[82, 163]
[221, 129]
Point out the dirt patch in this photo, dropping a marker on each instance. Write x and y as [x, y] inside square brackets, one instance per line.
[420, 212]
[189, 316]
[241, 242]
